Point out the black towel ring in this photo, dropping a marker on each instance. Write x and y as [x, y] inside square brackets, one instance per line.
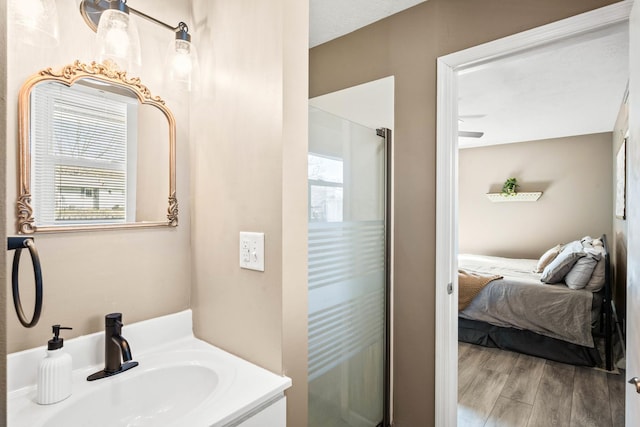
[19, 243]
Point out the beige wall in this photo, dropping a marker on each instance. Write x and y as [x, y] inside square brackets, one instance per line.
[142, 273]
[406, 45]
[574, 175]
[249, 148]
[618, 243]
[247, 140]
[3, 186]
[294, 206]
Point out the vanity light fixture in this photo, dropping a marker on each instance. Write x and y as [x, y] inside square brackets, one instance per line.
[118, 43]
[117, 37]
[37, 21]
[182, 60]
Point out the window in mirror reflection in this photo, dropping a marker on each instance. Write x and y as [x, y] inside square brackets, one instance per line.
[83, 158]
[325, 188]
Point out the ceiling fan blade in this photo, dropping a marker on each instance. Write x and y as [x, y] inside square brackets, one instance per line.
[471, 116]
[468, 134]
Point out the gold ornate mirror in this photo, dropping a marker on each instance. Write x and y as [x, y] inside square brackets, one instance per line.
[96, 152]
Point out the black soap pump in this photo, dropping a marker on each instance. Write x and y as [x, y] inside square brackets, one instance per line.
[54, 371]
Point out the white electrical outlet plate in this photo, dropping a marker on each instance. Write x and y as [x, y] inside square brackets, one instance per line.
[252, 250]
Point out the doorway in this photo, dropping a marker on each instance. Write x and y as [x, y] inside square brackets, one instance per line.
[447, 173]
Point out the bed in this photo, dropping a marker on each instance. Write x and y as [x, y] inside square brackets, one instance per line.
[516, 311]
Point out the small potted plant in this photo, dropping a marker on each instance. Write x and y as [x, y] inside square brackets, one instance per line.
[510, 187]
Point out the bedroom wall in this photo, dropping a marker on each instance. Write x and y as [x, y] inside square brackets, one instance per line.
[406, 46]
[619, 242]
[576, 200]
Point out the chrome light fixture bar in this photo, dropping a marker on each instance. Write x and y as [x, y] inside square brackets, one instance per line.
[91, 10]
[182, 56]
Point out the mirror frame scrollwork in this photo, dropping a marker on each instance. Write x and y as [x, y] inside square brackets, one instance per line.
[68, 75]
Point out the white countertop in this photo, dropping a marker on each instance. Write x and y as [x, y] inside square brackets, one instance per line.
[242, 388]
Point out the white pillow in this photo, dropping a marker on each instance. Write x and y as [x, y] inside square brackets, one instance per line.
[559, 267]
[586, 239]
[547, 257]
[580, 273]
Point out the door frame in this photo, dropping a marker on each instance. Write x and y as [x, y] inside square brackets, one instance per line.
[448, 67]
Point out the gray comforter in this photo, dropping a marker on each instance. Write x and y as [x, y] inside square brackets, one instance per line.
[520, 300]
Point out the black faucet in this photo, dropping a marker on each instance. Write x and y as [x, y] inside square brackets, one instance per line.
[116, 348]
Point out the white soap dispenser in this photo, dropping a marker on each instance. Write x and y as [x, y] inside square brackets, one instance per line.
[54, 371]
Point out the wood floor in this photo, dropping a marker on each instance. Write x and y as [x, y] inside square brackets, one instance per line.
[501, 388]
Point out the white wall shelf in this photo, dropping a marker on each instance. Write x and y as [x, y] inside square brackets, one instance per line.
[518, 197]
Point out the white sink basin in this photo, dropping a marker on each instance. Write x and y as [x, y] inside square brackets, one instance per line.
[181, 381]
[168, 387]
[143, 396]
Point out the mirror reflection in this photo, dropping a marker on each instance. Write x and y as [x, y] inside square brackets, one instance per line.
[94, 156]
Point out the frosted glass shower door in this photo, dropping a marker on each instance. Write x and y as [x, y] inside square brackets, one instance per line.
[347, 273]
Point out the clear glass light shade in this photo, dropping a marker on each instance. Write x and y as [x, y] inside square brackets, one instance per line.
[118, 41]
[36, 22]
[183, 66]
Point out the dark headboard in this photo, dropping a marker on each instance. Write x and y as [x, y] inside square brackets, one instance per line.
[606, 306]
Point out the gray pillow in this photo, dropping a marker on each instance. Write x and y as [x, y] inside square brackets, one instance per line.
[580, 273]
[559, 267]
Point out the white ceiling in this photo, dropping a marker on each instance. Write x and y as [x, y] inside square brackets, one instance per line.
[573, 87]
[330, 19]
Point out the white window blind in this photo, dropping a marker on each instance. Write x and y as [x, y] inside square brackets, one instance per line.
[79, 156]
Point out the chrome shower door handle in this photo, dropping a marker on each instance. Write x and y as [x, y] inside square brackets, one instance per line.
[635, 381]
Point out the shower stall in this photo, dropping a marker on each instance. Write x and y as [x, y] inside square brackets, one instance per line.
[348, 272]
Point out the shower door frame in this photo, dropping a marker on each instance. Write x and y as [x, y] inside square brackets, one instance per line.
[388, 191]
